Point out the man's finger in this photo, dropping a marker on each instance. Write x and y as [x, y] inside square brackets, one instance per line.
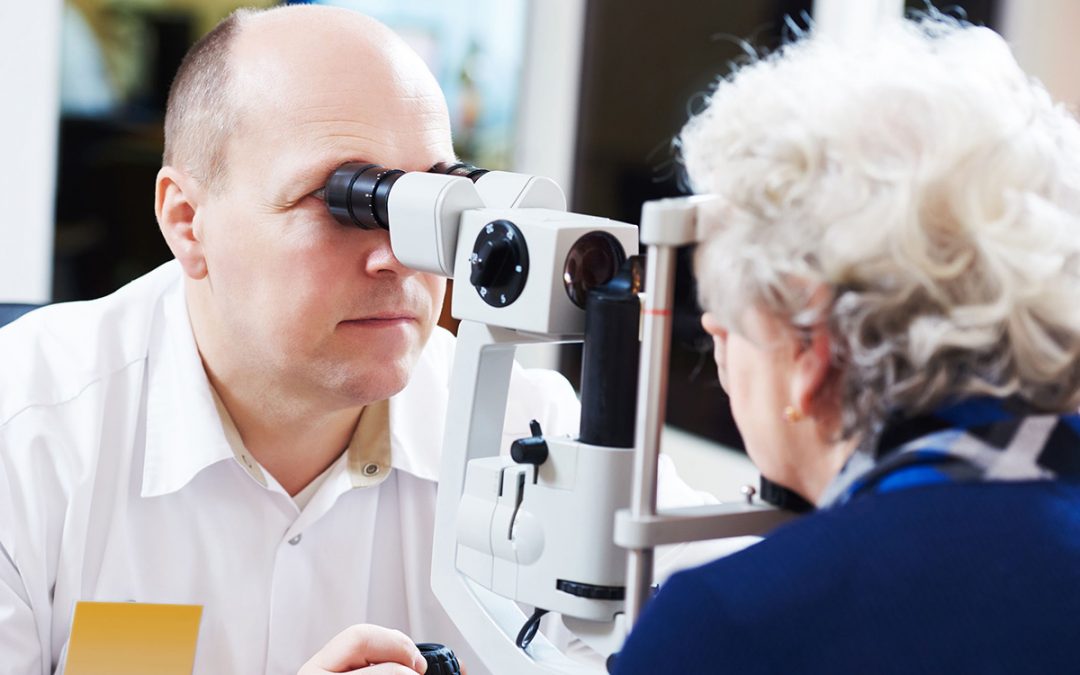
[384, 669]
[365, 645]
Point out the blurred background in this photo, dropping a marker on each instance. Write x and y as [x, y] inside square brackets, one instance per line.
[588, 92]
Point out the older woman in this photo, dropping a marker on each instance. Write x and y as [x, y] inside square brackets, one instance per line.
[891, 274]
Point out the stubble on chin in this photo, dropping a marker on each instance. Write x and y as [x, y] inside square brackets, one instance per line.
[375, 380]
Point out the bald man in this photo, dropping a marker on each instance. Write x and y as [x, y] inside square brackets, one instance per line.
[234, 429]
[255, 427]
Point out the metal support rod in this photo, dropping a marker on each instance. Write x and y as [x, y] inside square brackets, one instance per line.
[652, 398]
[697, 523]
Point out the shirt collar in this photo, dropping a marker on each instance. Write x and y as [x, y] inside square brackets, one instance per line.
[184, 433]
[367, 457]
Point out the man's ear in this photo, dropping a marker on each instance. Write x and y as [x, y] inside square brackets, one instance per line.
[811, 368]
[176, 203]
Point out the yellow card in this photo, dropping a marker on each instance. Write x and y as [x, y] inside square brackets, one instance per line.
[127, 638]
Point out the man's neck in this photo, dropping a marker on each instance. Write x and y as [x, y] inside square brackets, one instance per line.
[293, 437]
[293, 445]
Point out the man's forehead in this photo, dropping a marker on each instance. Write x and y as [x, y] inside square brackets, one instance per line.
[351, 128]
[292, 49]
[320, 86]
[316, 168]
[313, 96]
[332, 26]
[301, 159]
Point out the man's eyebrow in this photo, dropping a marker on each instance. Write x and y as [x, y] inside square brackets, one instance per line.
[319, 171]
[305, 179]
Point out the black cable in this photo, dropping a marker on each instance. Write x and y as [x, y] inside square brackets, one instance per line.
[528, 631]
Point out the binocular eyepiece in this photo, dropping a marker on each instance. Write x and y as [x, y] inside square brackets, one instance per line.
[358, 194]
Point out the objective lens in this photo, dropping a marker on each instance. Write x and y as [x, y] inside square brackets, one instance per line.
[357, 194]
[592, 261]
[460, 169]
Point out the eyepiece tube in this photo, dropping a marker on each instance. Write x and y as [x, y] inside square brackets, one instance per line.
[358, 194]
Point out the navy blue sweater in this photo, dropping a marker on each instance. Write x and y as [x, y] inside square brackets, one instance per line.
[949, 578]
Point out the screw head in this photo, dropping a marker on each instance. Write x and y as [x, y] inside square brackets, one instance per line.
[748, 491]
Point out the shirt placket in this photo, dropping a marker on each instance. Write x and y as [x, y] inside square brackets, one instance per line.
[296, 591]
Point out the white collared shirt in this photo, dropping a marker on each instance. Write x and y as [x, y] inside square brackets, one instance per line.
[120, 481]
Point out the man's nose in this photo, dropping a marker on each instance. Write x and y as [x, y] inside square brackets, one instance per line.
[380, 258]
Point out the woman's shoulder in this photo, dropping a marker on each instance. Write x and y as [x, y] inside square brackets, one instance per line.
[884, 571]
[924, 526]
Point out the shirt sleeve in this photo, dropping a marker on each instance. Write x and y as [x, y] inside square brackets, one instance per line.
[542, 395]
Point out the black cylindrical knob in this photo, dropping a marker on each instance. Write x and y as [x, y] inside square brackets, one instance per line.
[531, 449]
[440, 659]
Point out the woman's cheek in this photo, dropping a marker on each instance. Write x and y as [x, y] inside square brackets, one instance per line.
[720, 355]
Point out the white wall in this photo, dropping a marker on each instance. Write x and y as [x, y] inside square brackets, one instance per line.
[851, 19]
[1043, 36]
[548, 110]
[547, 122]
[29, 115]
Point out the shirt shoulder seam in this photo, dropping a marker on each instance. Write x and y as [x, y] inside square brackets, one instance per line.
[76, 395]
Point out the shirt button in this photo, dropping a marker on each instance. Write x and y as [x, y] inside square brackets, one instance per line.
[296, 540]
[371, 469]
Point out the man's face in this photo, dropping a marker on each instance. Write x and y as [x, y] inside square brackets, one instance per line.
[324, 310]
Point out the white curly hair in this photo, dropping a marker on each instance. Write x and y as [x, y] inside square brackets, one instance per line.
[922, 184]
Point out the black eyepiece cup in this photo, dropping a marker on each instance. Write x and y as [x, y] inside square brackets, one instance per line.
[359, 194]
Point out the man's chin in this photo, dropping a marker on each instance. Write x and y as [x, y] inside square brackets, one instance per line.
[377, 382]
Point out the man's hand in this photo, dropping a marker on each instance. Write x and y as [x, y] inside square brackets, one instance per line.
[367, 649]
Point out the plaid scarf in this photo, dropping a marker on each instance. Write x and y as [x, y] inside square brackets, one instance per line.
[981, 439]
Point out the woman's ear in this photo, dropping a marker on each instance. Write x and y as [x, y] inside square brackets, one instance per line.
[811, 368]
[711, 325]
[176, 203]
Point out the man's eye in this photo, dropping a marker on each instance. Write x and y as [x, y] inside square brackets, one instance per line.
[320, 194]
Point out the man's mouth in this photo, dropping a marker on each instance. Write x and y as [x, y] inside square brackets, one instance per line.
[381, 319]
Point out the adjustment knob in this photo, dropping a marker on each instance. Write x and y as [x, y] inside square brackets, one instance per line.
[500, 263]
[591, 591]
[490, 262]
[531, 449]
[440, 659]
